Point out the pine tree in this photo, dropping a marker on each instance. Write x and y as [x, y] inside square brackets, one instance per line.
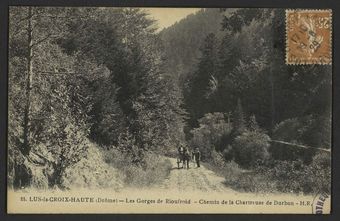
[199, 87]
[252, 125]
[146, 100]
[108, 118]
[239, 123]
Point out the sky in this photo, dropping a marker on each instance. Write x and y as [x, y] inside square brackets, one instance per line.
[168, 16]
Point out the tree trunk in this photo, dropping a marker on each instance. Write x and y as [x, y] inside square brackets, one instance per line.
[272, 101]
[26, 146]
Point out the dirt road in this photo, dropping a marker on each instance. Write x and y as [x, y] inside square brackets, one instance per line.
[194, 179]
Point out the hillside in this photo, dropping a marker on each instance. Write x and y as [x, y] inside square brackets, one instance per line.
[183, 39]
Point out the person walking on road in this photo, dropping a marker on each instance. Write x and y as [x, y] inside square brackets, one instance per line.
[196, 156]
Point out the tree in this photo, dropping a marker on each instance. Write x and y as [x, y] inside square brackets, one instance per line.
[250, 147]
[252, 125]
[211, 135]
[243, 17]
[47, 79]
[197, 94]
[108, 118]
[182, 40]
[144, 96]
[36, 19]
[238, 123]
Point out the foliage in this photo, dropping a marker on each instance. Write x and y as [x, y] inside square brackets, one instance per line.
[280, 176]
[209, 135]
[288, 130]
[249, 65]
[137, 95]
[153, 171]
[106, 75]
[58, 123]
[108, 120]
[238, 120]
[298, 177]
[182, 40]
[251, 182]
[92, 172]
[199, 91]
[249, 147]
[95, 73]
[127, 144]
[309, 130]
[243, 17]
[252, 125]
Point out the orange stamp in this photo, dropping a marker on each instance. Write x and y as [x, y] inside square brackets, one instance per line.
[308, 36]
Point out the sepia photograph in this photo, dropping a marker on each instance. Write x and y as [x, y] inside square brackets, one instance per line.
[169, 110]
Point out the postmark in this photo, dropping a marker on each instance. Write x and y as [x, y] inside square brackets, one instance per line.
[321, 203]
[308, 37]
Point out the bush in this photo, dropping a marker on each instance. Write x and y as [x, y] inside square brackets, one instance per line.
[212, 134]
[217, 159]
[153, 170]
[251, 182]
[288, 130]
[320, 170]
[137, 166]
[289, 176]
[243, 180]
[318, 134]
[282, 176]
[92, 172]
[308, 130]
[275, 176]
[228, 153]
[295, 176]
[250, 147]
[291, 152]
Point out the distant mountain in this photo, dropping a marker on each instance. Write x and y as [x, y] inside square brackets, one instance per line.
[183, 39]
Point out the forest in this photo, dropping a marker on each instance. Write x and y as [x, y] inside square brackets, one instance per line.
[98, 98]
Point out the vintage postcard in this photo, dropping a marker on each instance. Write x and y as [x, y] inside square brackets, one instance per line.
[169, 110]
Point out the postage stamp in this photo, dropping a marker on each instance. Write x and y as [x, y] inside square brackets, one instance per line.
[308, 36]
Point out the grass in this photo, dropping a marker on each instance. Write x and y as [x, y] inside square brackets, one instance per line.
[277, 176]
[92, 172]
[154, 170]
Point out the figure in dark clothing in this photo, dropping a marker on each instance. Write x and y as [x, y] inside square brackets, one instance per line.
[196, 155]
[186, 158]
[180, 155]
